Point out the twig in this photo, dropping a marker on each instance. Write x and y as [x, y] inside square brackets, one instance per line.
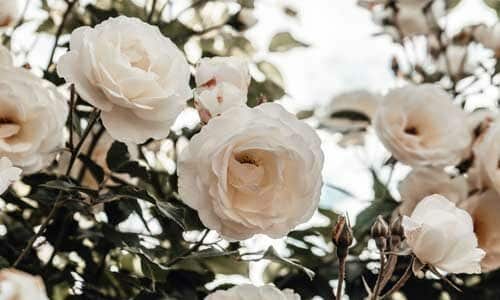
[402, 280]
[74, 154]
[188, 251]
[152, 11]
[70, 117]
[60, 30]
[43, 226]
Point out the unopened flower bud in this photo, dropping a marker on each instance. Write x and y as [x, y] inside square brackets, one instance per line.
[380, 232]
[397, 232]
[342, 237]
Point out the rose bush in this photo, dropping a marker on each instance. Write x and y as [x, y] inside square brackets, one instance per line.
[244, 172]
[130, 71]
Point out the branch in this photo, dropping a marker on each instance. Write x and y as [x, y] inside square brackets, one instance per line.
[60, 30]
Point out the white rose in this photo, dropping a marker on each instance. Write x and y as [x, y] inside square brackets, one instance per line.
[442, 235]
[410, 17]
[252, 171]
[32, 119]
[484, 208]
[222, 83]
[9, 12]
[252, 292]
[5, 57]
[489, 37]
[130, 71]
[420, 125]
[485, 171]
[17, 285]
[424, 181]
[8, 174]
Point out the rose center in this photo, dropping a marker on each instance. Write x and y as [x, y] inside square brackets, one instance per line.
[8, 128]
[412, 130]
[246, 159]
[137, 57]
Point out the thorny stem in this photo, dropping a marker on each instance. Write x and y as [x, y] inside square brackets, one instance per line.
[402, 280]
[60, 30]
[342, 262]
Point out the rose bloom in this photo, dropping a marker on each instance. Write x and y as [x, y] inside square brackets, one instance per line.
[420, 126]
[8, 174]
[489, 37]
[137, 77]
[222, 83]
[17, 285]
[442, 235]
[32, 119]
[485, 171]
[426, 181]
[351, 114]
[9, 12]
[484, 208]
[252, 292]
[252, 171]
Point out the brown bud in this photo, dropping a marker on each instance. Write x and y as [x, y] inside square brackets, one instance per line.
[397, 232]
[380, 232]
[342, 236]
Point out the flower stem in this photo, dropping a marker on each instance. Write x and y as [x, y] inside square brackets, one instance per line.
[376, 289]
[342, 262]
[152, 11]
[402, 280]
[60, 30]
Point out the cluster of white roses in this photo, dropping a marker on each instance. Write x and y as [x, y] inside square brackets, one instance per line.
[249, 171]
[451, 212]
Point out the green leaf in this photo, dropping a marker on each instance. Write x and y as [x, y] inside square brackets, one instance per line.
[304, 114]
[96, 170]
[118, 160]
[271, 72]
[284, 41]
[263, 92]
[383, 204]
[350, 115]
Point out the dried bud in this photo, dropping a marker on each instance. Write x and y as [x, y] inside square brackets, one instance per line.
[380, 232]
[397, 232]
[342, 237]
